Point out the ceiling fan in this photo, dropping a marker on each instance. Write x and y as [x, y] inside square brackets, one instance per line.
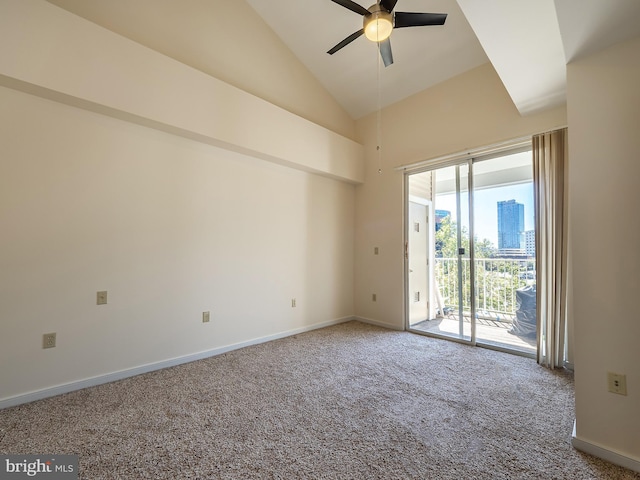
[380, 19]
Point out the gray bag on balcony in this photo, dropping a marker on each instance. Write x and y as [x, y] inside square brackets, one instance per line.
[524, 324]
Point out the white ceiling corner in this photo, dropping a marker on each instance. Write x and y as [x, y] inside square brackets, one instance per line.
[588, 26]
[523, 42]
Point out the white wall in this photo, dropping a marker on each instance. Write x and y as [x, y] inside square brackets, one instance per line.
[469, 111]
[93, 199]
[170, 228]
[604, 145]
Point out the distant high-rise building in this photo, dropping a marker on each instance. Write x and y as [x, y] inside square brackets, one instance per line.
[510, 225]
[530, 242]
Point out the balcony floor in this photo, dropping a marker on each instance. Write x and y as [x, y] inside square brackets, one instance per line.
[489, 332]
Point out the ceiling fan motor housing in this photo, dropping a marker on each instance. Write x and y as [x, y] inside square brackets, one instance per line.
[379, 21]
[378, 25]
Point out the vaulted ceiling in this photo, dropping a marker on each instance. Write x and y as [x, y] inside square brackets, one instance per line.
[423, 56]
[528, 42]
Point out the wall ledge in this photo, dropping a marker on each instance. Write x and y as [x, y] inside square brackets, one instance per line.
[49, 52]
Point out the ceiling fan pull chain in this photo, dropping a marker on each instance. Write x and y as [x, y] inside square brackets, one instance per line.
[379, 116]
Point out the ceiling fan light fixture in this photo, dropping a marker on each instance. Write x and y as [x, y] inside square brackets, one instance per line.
[378, 26]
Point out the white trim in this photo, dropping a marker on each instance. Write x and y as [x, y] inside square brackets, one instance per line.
[604, 453]
[405, 246]
[465, 155]
[150, 367]
[484, 153]
[379, 323]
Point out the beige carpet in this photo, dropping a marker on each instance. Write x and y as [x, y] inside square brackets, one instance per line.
[346, 402]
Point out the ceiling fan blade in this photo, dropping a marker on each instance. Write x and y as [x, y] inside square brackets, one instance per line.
[388, 5]
[385, 52]
[353, 6]
[411, 19]
[346, 41]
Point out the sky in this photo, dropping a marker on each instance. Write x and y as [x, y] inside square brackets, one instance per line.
[486, 208]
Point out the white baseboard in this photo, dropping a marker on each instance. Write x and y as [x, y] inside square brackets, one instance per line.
[131, 372]
[604, 453]
[378, 323]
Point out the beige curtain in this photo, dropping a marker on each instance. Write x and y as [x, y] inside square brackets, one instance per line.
[550, 203]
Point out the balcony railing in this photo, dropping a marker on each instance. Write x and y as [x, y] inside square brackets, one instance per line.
[497, 280]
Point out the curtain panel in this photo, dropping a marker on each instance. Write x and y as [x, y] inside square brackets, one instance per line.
[550, 203]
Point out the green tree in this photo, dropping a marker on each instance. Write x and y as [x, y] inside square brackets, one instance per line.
[447, 241]
[496, 278]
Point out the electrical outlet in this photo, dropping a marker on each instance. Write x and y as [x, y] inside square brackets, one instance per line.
[374, 297]
[48, 340]
[375, 250]
[293, 303]
[101, 298]
[206, 316]
[617, 383]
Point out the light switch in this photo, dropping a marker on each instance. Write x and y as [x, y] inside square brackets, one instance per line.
[101, 298]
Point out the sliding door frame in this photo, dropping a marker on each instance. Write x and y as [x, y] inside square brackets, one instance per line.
[470, 157]
[452, 163]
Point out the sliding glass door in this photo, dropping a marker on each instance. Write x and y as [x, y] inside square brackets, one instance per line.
[505, 252]
[470, 252]
[446, 267]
